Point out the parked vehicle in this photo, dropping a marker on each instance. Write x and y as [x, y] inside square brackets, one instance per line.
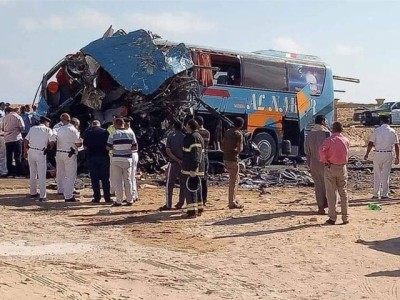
[371, 117]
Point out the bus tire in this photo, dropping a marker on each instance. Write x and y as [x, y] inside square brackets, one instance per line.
[267, 145]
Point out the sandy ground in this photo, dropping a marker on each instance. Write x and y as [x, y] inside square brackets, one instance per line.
[276, 248]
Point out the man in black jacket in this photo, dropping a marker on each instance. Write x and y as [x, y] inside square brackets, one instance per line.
[193, 168]
[95, 143]
[205, 134]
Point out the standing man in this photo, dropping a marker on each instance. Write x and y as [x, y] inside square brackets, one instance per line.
[98, 159]
[193, 168]
[334, 153]
[58, 125]
[111, 131]
[383, 138]
[312, 143]
[36, 142]
[205, 134]
[3, 152]
[174, 151]
[81, 155]
[135, 159]
[232, 145]
[13, 126]
[122, 142]
[2, 108]
[27, 117]
[68, 141]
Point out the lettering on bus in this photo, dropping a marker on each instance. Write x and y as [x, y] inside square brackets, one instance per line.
[277, 103]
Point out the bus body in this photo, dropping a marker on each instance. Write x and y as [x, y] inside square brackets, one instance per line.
[277, 93]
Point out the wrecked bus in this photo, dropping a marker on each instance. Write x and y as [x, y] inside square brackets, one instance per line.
[155, 81]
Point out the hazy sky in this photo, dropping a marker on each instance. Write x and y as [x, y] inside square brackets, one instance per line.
[356, 38]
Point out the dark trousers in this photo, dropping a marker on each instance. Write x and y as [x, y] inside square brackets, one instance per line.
[204, 183]
[174, 172]
[99, 168]
[193, 199]
[14, 151]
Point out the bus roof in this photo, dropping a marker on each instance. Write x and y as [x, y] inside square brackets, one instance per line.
[269, 54]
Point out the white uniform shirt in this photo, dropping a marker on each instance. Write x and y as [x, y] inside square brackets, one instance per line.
[57, 126]
[1, 126]
[134, 138]
[39, 136]
[67, 136]
[384, 137]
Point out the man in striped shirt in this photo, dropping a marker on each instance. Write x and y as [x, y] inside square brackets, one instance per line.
[122, 143]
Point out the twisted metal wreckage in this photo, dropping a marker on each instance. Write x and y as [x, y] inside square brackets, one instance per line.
[127, 74]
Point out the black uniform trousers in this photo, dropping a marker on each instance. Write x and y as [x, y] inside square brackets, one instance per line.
[193, 199]
[14, 150]
[99, 168]
[204, 182]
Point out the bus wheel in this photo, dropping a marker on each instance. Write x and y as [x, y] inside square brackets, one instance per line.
[267, 145]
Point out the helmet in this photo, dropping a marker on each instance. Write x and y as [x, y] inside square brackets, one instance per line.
[193, 183]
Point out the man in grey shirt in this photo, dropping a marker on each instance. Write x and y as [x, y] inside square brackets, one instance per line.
[174, 150]
[313, 141]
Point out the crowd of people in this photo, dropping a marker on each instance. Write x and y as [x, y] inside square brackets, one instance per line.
[112, 157]
[327, 155]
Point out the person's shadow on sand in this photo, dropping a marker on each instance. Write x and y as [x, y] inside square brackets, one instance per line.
[391, 246]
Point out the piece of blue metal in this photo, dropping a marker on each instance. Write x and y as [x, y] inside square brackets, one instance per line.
[136, 63]
[42, 109]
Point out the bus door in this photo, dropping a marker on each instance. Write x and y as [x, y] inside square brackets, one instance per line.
[304, 107]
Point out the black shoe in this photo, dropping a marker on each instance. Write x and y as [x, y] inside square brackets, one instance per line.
[116, 204]
[128, 203]
[178, 206]
[345, 222]
[43, 200]
[71, 200]
[108, 200]
[190, 215]
[165, 207]
[60, 194]
[330, 222]
[34, 196]
[321, 211]
[200, 211]
[76, 193]
[95, 201]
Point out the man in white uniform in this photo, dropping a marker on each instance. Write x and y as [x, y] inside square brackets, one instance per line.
[68, 141]
[135, 159]
[36, 143]
[383, 138]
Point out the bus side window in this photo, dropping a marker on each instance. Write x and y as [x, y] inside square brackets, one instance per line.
[264, 74]
[221, 78]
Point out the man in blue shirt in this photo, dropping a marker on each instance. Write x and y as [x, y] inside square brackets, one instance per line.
[98, 160]
[27, 117]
